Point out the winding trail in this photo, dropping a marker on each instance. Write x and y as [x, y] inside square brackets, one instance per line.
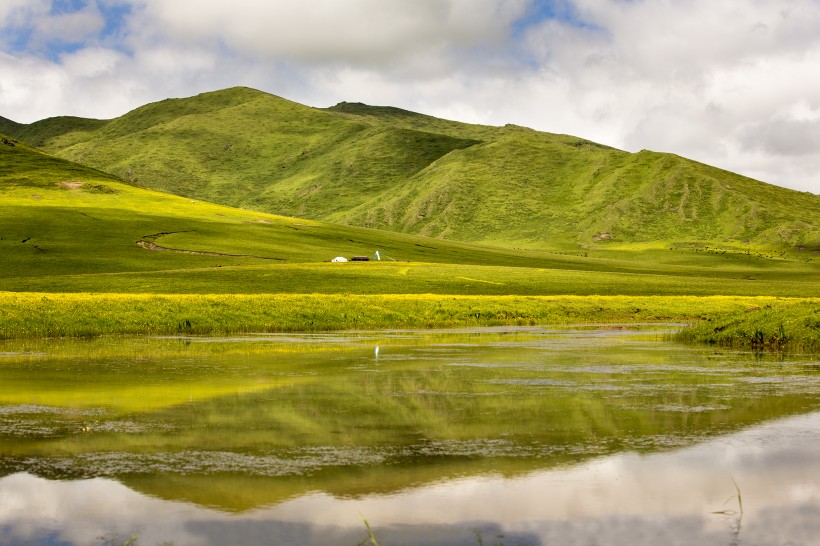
[147, 242]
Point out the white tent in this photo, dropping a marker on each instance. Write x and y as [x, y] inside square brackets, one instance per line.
[339, 259]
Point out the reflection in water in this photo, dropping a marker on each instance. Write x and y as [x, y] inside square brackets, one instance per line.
[660, 498]
[506, 436]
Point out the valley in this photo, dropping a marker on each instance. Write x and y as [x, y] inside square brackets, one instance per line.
[238, 192]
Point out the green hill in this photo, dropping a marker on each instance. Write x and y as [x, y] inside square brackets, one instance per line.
[62, 218]
[65, 227]
[87, 254]
[396, 170]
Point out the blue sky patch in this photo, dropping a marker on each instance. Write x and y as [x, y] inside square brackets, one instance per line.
[61, 7]
[544, 10]
[24, 38]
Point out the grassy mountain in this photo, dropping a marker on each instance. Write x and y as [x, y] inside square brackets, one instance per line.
[62, 218]
[396, 170]
[65, 227]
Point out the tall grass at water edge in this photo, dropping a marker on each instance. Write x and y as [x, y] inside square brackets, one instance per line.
[39, 315]
[794, 327]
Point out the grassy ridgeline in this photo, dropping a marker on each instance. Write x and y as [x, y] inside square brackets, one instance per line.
[394, 170]
[33, 315]
[794, 327]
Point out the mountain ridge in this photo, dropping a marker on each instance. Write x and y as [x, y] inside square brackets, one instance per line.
[392, 169]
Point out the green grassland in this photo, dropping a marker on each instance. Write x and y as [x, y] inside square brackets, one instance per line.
[86, 253]
[395, 170]
[68, 228]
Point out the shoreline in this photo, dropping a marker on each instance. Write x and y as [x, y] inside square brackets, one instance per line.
[743, 321]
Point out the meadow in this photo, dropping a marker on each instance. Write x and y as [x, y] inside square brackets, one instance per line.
[86, 254]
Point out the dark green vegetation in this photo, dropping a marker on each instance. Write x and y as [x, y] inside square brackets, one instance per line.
[236, 424]
[391, 169]
[791, 327]
[514, 212]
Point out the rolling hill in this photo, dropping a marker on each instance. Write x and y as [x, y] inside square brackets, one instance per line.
[87, 254]
[63, 218]
[65, 227]
[395, 170]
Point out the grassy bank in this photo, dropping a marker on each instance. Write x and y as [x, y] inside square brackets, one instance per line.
[792, 327]
[35, 315]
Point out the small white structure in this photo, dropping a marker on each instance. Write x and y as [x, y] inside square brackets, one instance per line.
[377, 256]
[339, 259]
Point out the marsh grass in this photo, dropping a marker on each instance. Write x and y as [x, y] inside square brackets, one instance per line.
[791, 327]
[31, 315]
[371, 536]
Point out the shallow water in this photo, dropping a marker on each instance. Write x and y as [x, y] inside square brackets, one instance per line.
[514, 436]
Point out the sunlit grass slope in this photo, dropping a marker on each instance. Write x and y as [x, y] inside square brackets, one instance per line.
[66, 228]
[61, 218]
[69, 228]
[396, 170]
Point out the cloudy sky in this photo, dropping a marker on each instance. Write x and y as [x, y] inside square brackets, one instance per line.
[732, 83]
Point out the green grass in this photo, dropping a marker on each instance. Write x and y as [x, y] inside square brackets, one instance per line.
[417, 278]
[68, 228]
[32, 315]
[794, 327]
[395, 170]
[73, 266]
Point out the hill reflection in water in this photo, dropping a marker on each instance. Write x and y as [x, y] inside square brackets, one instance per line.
[542, 436]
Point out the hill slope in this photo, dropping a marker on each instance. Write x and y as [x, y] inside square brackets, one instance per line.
[63, 218]
[391, 169]
[65, 227]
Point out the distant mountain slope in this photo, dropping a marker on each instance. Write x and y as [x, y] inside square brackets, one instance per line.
[60, 219]
[391, 169]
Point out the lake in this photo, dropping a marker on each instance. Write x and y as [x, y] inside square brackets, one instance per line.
[497, 436]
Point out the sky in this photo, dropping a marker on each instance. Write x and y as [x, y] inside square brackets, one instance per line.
[731, 83]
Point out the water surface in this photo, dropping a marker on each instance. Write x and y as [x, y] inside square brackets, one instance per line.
[494, 436]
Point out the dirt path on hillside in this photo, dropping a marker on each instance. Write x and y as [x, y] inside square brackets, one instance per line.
[147, 242]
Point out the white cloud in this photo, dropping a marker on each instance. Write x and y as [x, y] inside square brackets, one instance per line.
[69, 27]
[731, 83]
[42, 26]
[30, 88]
[12, 10]
[92, 63]
[355, 31]
[694, 77]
